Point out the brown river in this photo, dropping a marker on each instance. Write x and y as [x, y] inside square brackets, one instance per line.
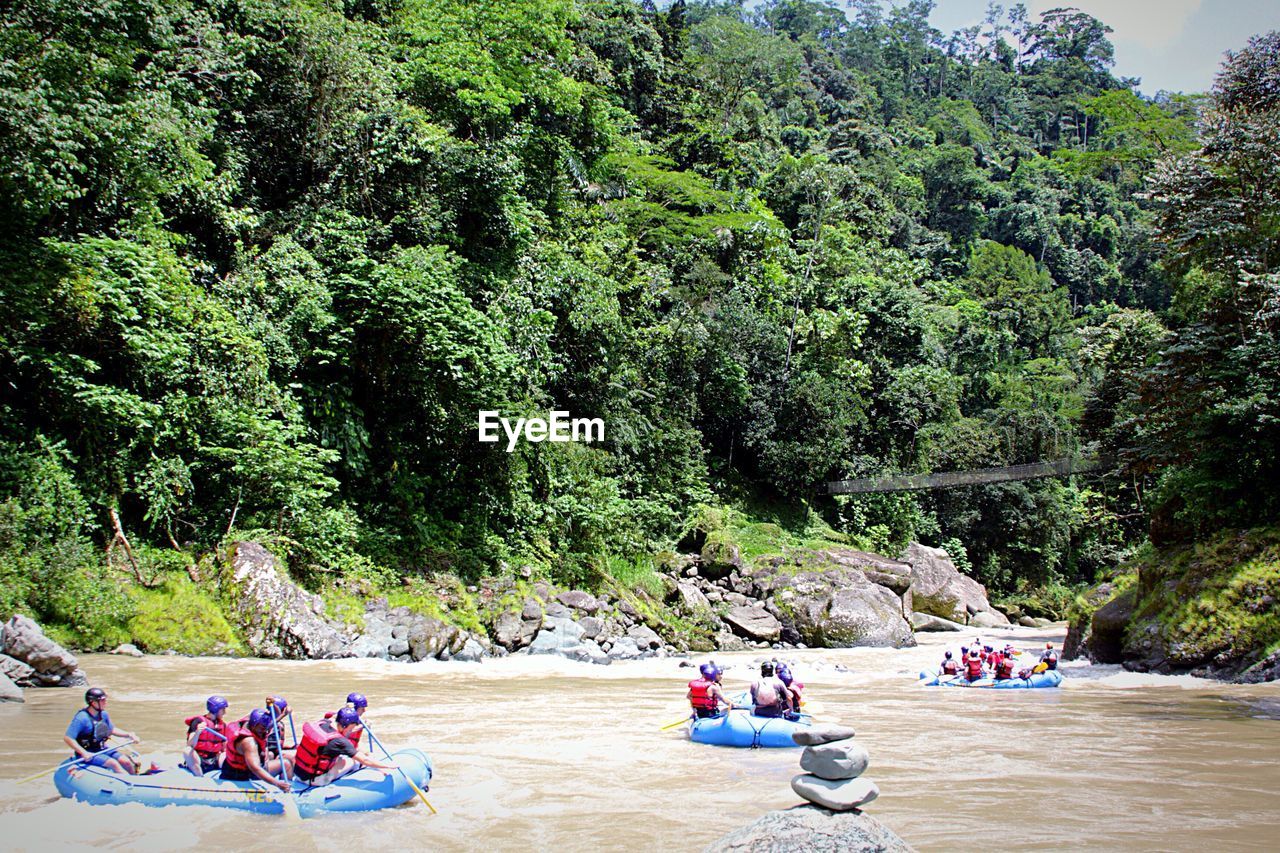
[546, 754]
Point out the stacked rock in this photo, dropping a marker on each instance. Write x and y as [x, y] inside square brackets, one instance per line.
[835, 762]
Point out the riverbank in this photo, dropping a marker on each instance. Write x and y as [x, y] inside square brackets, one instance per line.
[542, 752]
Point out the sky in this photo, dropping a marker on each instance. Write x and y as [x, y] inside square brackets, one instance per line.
[1174, 45]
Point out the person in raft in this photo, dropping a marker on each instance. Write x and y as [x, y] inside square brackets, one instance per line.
[359, 703]
[705, 693]
[326, 752]
[950, 666]
[246, 757]
[275, 737]
[207, 736]
[768, 694]
[794, 688]
[89, 730]
[973, 665]
[1050, 657]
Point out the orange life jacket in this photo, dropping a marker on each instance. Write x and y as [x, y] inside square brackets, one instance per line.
[700, 695]
[208, 746]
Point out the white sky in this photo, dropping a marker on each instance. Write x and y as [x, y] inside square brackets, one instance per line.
[1175, 45]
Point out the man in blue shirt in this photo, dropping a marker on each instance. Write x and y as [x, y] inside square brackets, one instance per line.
[89, 730]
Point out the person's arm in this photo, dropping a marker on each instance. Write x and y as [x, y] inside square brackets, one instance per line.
[122, 733]
[368, 760]
[255, 765]
[76, 747]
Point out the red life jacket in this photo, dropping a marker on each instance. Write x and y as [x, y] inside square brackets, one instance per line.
[973, 667]
[209, 745]
[700, 695]
[309, 762]
[235, 758]
[354, 737]
[950, 667]
[1004, 668]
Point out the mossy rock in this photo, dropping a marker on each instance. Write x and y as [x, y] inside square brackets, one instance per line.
[720, 555]
[182, 617]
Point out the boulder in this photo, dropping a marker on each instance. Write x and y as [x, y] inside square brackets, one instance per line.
[369, 647]
[532, 611]
[470, 652]
[16, 671]
[822, 733]
[279, 618]
[835, 795]
[398, 648]
[691, 599]
[926, 622]
[844, 759]
[557, 610]
[754, 623]
[51, 665]
[588, 652]
[592, 627]
[625, 648]
[988, 619]
[578, 600]
[9, 692]
[814, 830]
[720, 558]
[507, 629]
[864, 614]
[429, 637]
[1107, 633]
[645, 637]
[727, 642]
[939, 588]
[558, 634]
[128, 650]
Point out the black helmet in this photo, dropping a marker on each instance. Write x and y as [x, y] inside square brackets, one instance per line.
[766, 668]
[93, 694]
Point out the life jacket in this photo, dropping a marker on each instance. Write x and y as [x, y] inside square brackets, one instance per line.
[950, 667]
[700, 695]
[354, 737]
[95, 740]
[309, 763]
[1050, 658]
[973, 668]
[274, 735]
[766, 694]
[208, 745]
[235, 758]
[1004, 668]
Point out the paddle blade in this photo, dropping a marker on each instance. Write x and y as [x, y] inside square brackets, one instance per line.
[678, 722]
[291, 813]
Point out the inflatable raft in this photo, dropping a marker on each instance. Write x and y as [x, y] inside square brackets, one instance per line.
[740, 727]
[362, 791]
[1049, 678]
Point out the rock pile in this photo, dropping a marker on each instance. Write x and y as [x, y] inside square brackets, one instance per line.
[30, 659]
[835, 762]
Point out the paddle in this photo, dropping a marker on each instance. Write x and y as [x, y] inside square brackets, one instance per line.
[678, 722]
[415, 788]
[92, 755]
[287, 802]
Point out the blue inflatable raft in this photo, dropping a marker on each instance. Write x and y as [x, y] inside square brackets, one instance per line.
[740, 727]
[362, 791]
[1049, 678]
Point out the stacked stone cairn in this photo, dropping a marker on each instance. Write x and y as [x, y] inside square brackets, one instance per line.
[835, 762]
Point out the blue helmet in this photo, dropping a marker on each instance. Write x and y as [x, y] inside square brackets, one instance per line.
[216, 704]
[708, 671]
[357, 700]
[947, 656]
[347, 716]
[784, 674]
[279, 702]
[260, 718]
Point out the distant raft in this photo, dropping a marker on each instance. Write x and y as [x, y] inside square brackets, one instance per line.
[742, 728]
[1048, 678]
[362, 791]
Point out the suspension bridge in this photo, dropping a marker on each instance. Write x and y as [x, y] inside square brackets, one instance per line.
[976, 477]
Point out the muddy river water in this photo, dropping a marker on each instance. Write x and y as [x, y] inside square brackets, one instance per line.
[546, 754]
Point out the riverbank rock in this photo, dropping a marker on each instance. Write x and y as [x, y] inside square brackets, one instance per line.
[128, 650]
[9, 692]
[940, 589]
[279, 618]
[51, 665]
[928, 623]
[814, 830]
[852, 615]
[754, 623]
[989, 619]
[1107, 629]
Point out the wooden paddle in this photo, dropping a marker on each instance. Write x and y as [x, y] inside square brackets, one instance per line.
[415, 788]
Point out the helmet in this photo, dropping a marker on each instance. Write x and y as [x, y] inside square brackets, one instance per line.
[278, 702]
[1048, 645]
[784, 674]
[357, 700]
[964, 650]
[93, 694]
[986, 648]
[215, 704]
[347, 716]
[708, 671]
[947, 656]
[260, 718]
[766, 668]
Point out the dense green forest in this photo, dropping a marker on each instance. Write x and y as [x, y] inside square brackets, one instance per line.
[265, 260]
